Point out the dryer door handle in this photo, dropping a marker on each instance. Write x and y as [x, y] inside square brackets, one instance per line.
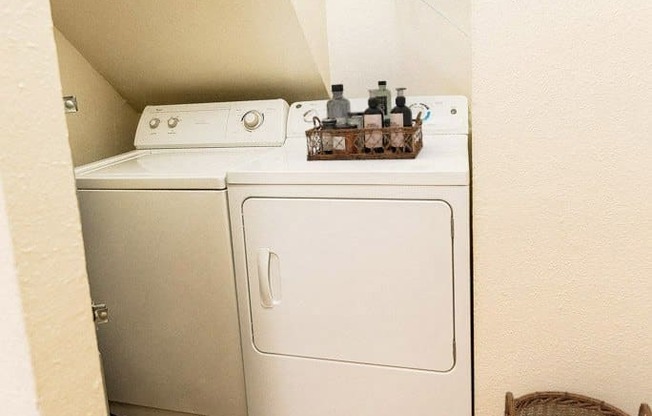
[264, 283]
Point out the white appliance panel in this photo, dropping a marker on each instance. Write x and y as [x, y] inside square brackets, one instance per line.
[319, 335]
[162, 262]
[354, 280]
[233, 124]
[440, 114]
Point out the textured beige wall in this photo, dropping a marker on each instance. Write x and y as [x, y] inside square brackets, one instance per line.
[312, 18]
[37, 175]
[423, 45]
[105, 124]
[562, 195]
[17, 390]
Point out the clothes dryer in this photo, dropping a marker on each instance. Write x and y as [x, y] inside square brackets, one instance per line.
[158, 249]
[353, 277]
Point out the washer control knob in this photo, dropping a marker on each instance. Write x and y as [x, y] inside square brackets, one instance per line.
[172, 122]
[252, 119]
[153, 123]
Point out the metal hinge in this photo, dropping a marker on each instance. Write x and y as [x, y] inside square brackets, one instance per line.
[100, 313]
[70, 104]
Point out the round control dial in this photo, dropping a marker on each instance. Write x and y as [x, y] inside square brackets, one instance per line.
[153, 123]
[252, 119]
[172, 122]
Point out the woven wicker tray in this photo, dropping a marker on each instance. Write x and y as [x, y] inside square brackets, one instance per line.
[366, 143]
[555, 403]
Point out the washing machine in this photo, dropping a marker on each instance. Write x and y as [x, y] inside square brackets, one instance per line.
[353, 277]
[158, 249]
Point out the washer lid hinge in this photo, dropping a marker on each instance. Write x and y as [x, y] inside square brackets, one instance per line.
[70, 104]
[100, 313]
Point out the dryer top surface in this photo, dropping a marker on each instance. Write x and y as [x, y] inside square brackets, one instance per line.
[443, 161]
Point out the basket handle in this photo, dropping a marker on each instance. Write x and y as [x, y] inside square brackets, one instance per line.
[510, 408]
[418, 120]
[316, 122]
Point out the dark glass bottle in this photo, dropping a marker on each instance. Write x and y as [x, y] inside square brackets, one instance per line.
[373, 118]
[401, 116]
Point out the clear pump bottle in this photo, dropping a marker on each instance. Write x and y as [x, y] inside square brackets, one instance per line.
[384, 97]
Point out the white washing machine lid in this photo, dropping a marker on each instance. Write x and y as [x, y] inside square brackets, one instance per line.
[166, 169]
[443, 161]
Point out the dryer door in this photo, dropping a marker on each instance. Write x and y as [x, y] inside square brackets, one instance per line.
[352, 280]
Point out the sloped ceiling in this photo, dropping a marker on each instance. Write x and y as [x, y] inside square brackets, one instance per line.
[171, 51]
[424, 45]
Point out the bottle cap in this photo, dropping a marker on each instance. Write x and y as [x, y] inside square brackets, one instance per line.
[400, 101]
[383, 83]
[337, 88]
[400, 91]
[373, 102]
[328, 123]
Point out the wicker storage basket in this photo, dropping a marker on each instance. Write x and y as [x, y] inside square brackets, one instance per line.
[562, 404]
[348, 144]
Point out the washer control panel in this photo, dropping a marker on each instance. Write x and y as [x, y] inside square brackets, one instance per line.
[229, 124]
[441, 114]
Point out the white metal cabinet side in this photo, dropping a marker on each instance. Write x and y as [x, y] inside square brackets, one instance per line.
[162, 262]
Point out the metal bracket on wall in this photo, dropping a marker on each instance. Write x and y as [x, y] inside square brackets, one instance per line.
[70, 104]
[100, 313]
